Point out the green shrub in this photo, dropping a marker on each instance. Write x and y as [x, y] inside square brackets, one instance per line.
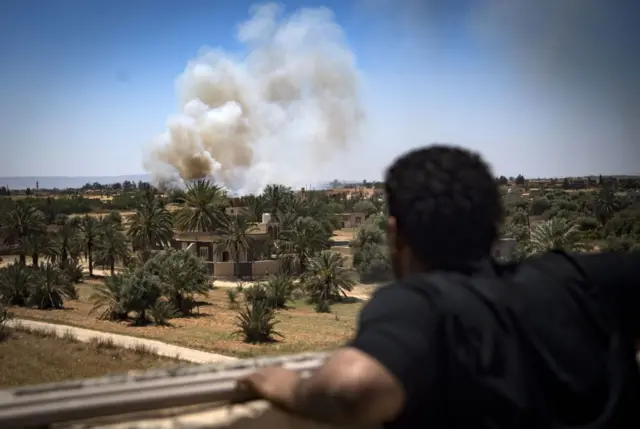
[256, 323]
[232, 298]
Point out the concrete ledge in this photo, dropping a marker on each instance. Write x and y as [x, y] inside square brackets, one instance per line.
[254, 415]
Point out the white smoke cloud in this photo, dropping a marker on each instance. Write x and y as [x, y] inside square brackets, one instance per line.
[274, 116]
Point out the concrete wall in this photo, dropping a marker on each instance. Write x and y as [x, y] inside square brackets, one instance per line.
[259, 269]
[353, 220]
[263, 268]
[223, 269]
[254, 415]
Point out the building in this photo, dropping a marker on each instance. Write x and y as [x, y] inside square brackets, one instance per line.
[234, 211]
[220, 261]
[352, 220]
[361, 192]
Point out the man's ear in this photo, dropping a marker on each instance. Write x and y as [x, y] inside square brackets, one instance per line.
[392, 233]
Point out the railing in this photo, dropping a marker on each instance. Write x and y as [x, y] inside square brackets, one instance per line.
[68, 403]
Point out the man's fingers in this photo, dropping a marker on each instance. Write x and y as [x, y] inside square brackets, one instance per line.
[247, 389]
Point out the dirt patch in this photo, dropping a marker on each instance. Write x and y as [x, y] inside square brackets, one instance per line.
[30, 357]
[211, 328]
[344, 234]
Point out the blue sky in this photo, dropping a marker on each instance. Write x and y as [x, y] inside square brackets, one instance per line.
[85, 85]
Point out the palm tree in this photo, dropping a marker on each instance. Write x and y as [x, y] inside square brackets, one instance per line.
[50, 287]
[14, 284]
[150, 226]
[23, 220]
[67, 242]
[278, 288]
[111, 245]
[89, 230]
[276, 198]
[327, 280]
[303, 239]
[182, 275]
[203, 207]
[556, 233]
[235, 237]
[107, 299]
[605, 205]
[255, 206]
[36, 244]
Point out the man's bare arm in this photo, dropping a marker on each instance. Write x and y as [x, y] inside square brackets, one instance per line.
[351, 388]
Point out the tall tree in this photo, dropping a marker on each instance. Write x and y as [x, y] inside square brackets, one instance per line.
[38, 244]
[203, 207]
[556, 233]
[23, 220]
[276, 198]
[111, 245]
[150, 226]
[235, 237]
[89, 231]
[303, 239]
[605, 204]
[67, 241]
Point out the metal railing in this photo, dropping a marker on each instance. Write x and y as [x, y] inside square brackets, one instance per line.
[43, 405]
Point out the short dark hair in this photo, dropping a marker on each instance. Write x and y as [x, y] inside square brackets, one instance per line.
[446, 203]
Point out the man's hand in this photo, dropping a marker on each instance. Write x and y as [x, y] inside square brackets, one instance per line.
[350, 388]
[275, 384]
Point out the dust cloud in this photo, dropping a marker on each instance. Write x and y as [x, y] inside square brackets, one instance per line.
[272, 115]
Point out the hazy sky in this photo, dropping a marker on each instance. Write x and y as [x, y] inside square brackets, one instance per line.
[538, 88]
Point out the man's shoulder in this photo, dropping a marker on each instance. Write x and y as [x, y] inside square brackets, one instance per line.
[420, 285]
[554, 268]
[418, 292]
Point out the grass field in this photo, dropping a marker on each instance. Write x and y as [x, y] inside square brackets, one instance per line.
[29, 357]
[211, 329]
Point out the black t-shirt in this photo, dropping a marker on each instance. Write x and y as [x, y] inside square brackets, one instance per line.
[548, 343]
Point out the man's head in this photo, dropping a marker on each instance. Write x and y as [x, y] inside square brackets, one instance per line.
[444, 209]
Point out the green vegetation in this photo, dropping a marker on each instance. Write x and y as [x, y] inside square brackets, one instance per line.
[159, 285]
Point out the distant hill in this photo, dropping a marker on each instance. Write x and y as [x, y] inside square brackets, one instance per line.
[61, 182]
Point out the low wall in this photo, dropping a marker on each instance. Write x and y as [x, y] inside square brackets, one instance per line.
[224, 269]
[253, 415]
[263, 268]
[172, 390]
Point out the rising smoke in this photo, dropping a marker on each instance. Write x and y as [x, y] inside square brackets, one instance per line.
[273, 116]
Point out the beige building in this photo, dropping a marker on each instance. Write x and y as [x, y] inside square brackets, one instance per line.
[352, 220]
[234, 211]
[220, 260]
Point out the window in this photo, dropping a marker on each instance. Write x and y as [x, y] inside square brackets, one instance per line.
[225, 256]
[204, 252]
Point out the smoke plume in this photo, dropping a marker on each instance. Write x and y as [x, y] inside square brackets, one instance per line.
[273, 115]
